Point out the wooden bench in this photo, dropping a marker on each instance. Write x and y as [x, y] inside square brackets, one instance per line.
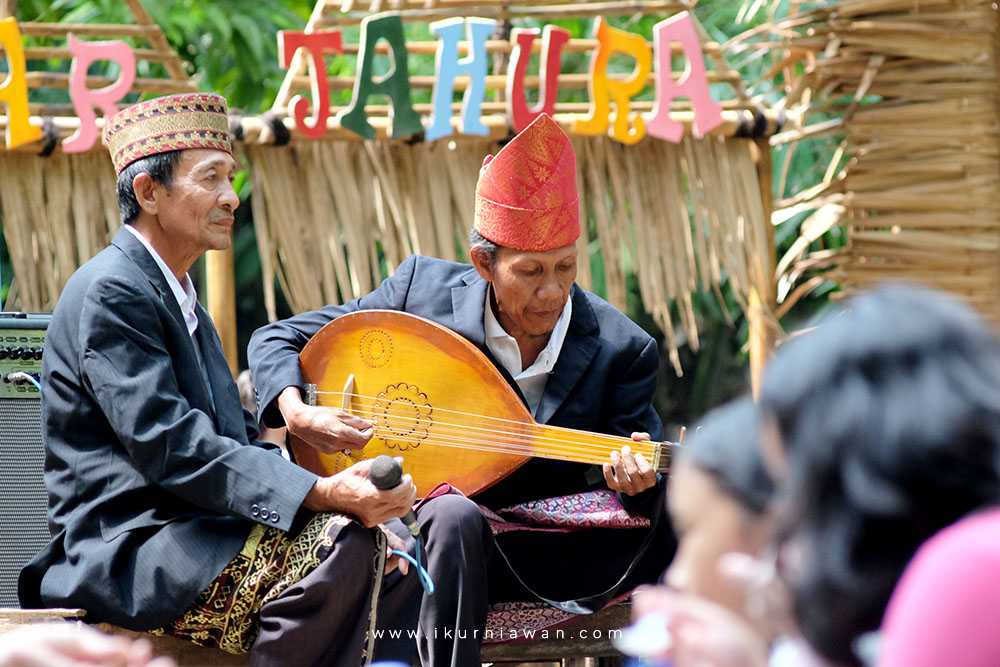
[567, 648]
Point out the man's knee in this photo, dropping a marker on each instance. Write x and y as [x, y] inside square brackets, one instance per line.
[354, 542]
[453, 517]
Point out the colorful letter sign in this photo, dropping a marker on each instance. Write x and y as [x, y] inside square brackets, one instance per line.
[449, 67]
[553, 41]
[628, 128]
[694, 85]
[14, 90]
[404, 121]
[106, 99]
[316, 43]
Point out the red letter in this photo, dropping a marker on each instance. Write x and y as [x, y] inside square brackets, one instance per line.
[316, 43]
[553, 41]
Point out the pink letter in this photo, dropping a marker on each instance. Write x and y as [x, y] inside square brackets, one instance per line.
[84, 99]
[694, 84]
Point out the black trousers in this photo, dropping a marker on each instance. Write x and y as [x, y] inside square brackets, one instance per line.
[324, 618]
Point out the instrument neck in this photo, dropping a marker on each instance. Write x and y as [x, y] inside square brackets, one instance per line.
[565, 444]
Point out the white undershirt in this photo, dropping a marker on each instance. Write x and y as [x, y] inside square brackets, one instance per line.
[503, 346]
[186, 297]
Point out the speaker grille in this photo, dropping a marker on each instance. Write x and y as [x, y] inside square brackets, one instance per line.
[24, 529]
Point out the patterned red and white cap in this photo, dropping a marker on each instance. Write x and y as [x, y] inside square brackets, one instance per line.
[174, 122]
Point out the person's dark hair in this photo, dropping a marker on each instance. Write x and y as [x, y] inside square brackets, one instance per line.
[477, 240]
[160, 168]
[889, 416]
[726, 446]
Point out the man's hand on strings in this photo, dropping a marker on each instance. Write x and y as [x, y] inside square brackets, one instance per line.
[630, 473]
[327, 429]
[351, 492]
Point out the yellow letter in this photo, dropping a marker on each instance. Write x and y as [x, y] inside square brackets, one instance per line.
[602, 90]
[14, 90]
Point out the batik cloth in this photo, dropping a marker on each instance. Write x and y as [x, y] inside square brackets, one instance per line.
[226, 614]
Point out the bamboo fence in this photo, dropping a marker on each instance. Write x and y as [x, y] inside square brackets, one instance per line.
[912, 89]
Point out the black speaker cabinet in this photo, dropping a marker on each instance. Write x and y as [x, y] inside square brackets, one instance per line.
[24, 526]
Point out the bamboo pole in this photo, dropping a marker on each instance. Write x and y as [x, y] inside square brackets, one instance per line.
[429, 48]
[509, 12]
[499, 81]
[254, 128]
[174, 65]
[63, 53]
[490, 108]
[62, 79]
[373, 6]
[35, 29]
[220, 282]
[763, 296]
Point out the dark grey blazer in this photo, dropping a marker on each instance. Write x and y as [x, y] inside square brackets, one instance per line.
[154, 477]
[603, 381]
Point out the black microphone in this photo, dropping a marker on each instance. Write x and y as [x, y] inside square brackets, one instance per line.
[385, 474]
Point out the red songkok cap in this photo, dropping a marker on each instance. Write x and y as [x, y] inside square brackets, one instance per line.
[526, 198]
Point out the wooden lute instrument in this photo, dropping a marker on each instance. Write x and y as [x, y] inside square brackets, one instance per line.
[437, 401]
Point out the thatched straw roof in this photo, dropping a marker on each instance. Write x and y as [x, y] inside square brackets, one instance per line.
[911, 87]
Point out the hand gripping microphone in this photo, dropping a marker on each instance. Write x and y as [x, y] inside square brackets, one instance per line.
[385, 474]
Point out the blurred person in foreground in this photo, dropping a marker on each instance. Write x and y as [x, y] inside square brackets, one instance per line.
[884, 425]
[74, 645]
[719, 497]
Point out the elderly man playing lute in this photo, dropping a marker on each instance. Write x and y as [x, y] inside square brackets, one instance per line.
[574, 360]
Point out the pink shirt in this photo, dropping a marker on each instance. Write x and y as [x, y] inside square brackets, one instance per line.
[945, 612]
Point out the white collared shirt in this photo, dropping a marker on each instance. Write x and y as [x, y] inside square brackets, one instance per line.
[503, 346]
[186, 297]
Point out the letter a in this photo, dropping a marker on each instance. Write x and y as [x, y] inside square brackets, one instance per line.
[694, 85]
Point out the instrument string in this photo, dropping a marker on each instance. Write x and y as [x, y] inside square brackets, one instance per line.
[522, 443]
[603, 442]
[462, 431]
[525, 436]
[481, 417]
[499, 449]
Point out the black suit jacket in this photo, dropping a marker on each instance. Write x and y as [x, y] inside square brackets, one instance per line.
[603, 380]
[154, 478]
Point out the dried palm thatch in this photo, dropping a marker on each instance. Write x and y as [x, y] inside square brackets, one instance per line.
[57, 213]
[334, 216]
[912, 87]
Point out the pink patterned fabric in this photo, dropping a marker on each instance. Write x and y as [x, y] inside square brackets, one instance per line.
[594, 509]
[518, 621]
